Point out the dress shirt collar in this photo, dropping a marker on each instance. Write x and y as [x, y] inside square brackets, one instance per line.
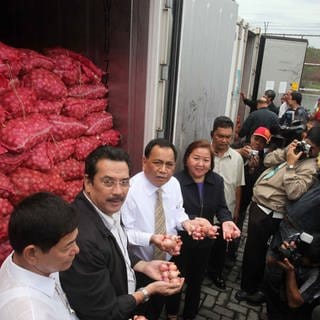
[108, 221]
[227, 154]
[151, 188]
[32, 279]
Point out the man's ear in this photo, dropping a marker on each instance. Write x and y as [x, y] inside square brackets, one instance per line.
[87, 183]
[144, 159]
[30, 254]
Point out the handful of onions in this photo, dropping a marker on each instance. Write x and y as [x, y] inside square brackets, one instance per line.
[169, 272]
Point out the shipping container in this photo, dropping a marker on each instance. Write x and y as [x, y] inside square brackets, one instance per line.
[280, 65]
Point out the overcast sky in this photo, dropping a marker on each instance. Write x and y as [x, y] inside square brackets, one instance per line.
[284, 16]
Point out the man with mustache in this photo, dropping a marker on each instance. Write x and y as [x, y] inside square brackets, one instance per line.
[101, 283]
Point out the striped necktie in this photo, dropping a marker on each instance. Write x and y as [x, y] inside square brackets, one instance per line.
[159, 225]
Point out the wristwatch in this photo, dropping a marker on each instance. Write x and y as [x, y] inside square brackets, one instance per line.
[290, 166]
[145, 293]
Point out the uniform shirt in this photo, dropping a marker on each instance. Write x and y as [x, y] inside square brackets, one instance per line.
[25, 295]
[230, 167]
[113, 224]
[279, 184]
[137, 213]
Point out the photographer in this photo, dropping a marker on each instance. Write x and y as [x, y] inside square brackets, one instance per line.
[292, 278]
[252, 154]
[291, 172]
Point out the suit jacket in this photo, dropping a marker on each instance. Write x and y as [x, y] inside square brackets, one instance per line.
[96, 284]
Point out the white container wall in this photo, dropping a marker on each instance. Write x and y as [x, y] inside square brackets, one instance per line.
[207, 38]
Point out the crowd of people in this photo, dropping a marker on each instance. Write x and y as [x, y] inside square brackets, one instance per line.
[126, 246]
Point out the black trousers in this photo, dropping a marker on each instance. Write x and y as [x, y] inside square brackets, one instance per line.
[192, 263]
[153, 308]
[218, 255]
[260, 227]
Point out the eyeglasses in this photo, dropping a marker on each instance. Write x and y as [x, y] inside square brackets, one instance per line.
[159, 164]
[111, 183]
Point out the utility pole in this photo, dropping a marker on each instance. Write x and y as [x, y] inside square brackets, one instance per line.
[266, 25]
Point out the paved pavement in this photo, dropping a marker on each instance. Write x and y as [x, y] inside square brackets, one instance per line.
[220, 304]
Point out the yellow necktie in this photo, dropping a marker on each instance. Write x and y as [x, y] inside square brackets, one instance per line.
[159, 225]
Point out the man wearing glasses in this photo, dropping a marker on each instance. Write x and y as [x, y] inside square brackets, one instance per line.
[101, 282]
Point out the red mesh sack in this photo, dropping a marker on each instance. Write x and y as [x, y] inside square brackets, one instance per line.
[70, 169]
[9, 162]
[98, 122]
[9, 53]
[72, 189]
[4, 220]
[3, 150]
[3, 115]
[6, 207]
[79, 108]
[6, 84]
[85, 145]
[10, 65]
[28, 181]
[5, 250]
[49, 107]
[61, 150]
[38, 158]
[66, 127]
[85, 62]
[88, 91]
[10, 69]
[66, 69]
[46, 84]
[6, 187]
[110, 137]
[31, 59]
[22, 134]
[19, 102]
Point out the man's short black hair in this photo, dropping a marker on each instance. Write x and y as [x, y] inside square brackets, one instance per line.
[104, 152]
[314, 135]
[221, 122]
[296, 96]
[162, 143]
[270, 94]
[41, 219]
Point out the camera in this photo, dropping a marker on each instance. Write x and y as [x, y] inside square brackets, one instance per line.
[304, 147]
[253, 153]
[294, 254]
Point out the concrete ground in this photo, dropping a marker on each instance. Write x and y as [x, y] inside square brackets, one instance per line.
[220, 304]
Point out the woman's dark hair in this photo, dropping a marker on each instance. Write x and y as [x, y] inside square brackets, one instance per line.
[104, 152]
[162, 143]
[41, 219]
[198, 144]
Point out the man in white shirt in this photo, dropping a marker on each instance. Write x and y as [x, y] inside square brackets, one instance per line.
[42, 232]
[137, 213]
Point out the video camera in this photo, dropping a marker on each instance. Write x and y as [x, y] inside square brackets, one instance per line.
[294, 254]
[304, 147]
[292, 131]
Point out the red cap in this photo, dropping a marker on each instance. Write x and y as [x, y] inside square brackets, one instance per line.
[263, 132]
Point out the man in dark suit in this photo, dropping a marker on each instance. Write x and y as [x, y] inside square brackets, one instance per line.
[101, 282]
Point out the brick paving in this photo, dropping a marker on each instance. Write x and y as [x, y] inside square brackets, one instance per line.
[220, 304]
